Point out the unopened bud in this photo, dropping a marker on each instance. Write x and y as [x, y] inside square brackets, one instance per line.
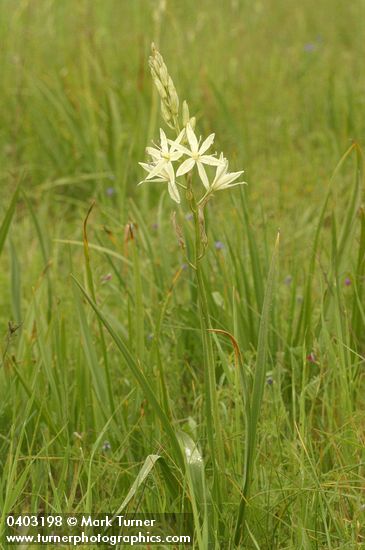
[166, 113]
[153, 73]
[164, 75]
[161, 90]
[185, 113]
[159, 59]
[174, 102]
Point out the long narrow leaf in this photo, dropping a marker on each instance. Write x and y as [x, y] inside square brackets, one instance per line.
[254, 405]
[138, 375]
[4, 227]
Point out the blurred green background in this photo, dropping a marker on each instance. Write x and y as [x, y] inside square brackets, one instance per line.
[281, 83]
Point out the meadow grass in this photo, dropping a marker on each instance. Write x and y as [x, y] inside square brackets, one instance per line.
[102, 366]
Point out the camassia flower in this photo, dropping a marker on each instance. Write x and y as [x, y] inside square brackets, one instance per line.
[224, 179]
[165, 174]
[161, 168]
[196, 155]
[164, 155]
[171, 159]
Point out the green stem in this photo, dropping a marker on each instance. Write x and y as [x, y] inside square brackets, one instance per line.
[214, 433]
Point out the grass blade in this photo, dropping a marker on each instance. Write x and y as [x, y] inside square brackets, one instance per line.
[254, 404]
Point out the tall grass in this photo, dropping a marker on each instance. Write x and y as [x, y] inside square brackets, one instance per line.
[102, 392]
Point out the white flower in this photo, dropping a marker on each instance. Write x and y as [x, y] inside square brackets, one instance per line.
[224, 179]
[196, 155]
[163, 156]
[165, 174]
[160, 168]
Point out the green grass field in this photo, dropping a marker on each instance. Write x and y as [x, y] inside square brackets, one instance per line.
[114, 395]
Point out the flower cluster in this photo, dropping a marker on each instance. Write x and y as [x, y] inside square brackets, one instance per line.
[188, 151]
[165, 88]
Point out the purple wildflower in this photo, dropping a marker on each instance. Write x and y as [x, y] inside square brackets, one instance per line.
[310, 47]
[218, 245]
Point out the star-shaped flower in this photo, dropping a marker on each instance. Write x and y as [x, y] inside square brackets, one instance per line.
[164, 154]
[196, 155]
[224, 179]
[165, 174]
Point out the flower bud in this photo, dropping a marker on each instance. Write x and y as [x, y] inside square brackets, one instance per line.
[164, 75]
[174, 102]
[166, 114]
[161, 90]
[185, 113]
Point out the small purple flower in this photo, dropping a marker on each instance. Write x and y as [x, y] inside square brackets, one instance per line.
[189, 217]
[150, 337]
[288, 279]
[184, 266]
[310, 47]
[219, 245]
[155, 226]
[348, 281]
[110, 191]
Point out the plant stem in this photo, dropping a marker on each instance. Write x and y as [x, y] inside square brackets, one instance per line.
[214, 433]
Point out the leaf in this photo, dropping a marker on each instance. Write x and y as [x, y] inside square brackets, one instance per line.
[253, 406]
[144, 472]
[138, 374]
[4, 228]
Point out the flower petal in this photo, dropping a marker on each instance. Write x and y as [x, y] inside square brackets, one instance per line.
[220, 171]
[185, 167]
[209, 159]
[163, 139]
[203, 175]
[169, 172]
[178, 147]
[173, 191]
[177, 140]
[154, 180]
[206, 144]
[145, 166]
[229, 185]
[153, 152]
[175, 155]
[230, 177]
[157, 169]
[193, 142]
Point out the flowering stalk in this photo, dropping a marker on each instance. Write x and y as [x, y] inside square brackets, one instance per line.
[174, 162]
[211, 401]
